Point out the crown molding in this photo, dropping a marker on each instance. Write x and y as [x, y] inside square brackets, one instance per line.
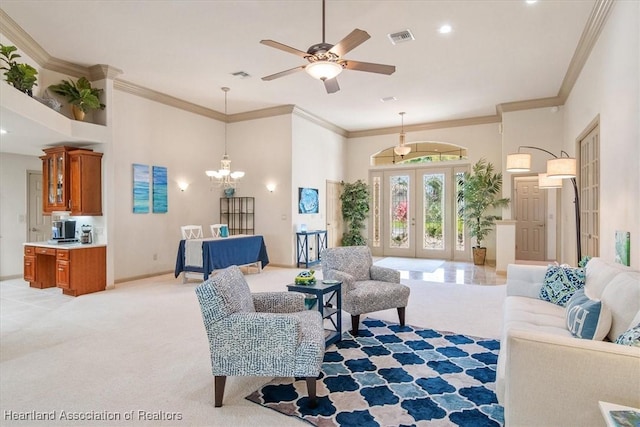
[471, 121]
[529, 104]
[320, 122]
[169, 100]
[263, 113]
[102, 71]
[590, 34]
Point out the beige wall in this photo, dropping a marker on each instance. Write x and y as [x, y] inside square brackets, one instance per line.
[13, 214]
[609, 86]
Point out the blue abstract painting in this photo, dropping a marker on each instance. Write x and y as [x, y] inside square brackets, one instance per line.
[140, 188]
[160, 204]
[307, 200]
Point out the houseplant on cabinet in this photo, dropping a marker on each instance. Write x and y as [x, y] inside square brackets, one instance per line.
[355, 207]
[80, 95]
[21, 76]
[478, 192]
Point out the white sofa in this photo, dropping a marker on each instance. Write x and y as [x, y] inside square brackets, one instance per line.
[547, 377]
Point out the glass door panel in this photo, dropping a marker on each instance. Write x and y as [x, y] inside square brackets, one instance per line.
[434, 225]
[399, 217]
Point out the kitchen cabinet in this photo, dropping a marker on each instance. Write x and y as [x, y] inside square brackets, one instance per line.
[72, 180]
[76, 269]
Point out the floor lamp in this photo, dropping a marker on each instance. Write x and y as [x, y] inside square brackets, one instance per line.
[558, 168]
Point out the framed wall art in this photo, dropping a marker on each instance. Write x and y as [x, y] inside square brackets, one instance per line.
[159, 192]
[307, 200]
[140, 188]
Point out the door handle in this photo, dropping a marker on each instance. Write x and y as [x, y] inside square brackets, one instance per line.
[34, 229]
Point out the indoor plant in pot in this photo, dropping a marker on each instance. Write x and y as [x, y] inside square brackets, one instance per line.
[479, 192]
[80, 95]
[21, 76]
[355, 207]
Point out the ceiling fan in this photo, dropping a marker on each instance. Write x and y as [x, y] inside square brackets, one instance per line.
[326, 60]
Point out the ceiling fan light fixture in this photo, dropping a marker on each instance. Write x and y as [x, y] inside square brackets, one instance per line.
[323, 70]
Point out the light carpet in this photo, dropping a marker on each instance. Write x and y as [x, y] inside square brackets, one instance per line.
[410, 264]
[393, 375]
[142, 347]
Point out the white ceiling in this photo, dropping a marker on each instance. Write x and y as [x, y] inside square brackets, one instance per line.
[499, 51]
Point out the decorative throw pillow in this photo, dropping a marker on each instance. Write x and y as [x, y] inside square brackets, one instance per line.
[630, 337]
[560, 283]
[587, 318]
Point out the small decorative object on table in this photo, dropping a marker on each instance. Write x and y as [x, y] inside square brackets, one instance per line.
[306, 278]
[229, 192]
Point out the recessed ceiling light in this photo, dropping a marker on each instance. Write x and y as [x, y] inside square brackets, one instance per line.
[388, 99]
[3, 131]
[445, 29]
[531, 1]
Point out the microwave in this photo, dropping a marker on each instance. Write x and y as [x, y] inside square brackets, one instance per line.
[65, 229]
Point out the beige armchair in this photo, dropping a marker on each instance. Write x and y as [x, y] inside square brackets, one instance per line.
[365, 287]
[261, 334]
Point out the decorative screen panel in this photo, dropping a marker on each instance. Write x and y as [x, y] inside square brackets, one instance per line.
[460, 243]
[399, 209]
[433, 215]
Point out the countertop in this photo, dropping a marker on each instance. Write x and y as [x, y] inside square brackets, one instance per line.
[53, 245]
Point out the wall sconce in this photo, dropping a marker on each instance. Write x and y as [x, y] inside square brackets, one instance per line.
[271, 187]
[182, 185]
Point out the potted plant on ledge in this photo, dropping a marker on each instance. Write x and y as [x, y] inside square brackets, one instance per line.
[478, 192]
[21, 76]
[80, 95]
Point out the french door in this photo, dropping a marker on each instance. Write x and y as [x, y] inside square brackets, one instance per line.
[415, 213]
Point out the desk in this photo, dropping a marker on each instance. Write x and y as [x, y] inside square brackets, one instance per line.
[223, 252]
[326, 307]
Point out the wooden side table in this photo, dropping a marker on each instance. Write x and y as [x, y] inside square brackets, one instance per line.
[329, 303]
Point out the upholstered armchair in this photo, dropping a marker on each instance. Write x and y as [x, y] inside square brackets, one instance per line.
[365, 287]
[261, 334]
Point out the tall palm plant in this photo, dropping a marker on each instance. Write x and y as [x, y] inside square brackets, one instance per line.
[479, 192]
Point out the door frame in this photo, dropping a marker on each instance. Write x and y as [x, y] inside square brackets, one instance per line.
[377, 233]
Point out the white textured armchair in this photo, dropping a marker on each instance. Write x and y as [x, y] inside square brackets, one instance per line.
[365, 287]
[261, 334]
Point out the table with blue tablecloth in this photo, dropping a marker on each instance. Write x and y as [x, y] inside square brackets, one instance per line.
[220, 253]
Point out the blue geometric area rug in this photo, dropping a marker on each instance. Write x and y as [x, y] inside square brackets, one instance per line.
[394, 375]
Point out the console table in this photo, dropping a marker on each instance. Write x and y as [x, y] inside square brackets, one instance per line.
[328, 307]
[309, 246]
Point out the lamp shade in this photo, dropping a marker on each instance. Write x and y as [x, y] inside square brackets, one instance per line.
[545, 182]
[402, 150]
[323, 70]
[562, 167]
[518, 162]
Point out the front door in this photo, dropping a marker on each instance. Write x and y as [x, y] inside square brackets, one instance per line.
[531, 210]
[415, 213]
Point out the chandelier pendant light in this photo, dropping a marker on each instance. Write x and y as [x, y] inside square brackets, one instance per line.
[226, 178]
[401, 149]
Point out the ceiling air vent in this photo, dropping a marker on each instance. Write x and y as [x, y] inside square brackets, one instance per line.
[241, 74]
[401, 37]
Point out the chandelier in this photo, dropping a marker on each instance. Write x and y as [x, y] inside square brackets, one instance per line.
[401, 149]
[226, 178]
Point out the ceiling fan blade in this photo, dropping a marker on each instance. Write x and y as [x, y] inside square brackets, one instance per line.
[331, 85]
[353, 40]
[284, 47]
[370, 67]
[283, 73]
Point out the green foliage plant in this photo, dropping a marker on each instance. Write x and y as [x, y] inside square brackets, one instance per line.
[355, 207]
[21, 76]
[478, 193]
[80, 94]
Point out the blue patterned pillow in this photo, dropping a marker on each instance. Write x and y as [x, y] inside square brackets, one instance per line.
[560, 283]
[586, 318]
[630, 337]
